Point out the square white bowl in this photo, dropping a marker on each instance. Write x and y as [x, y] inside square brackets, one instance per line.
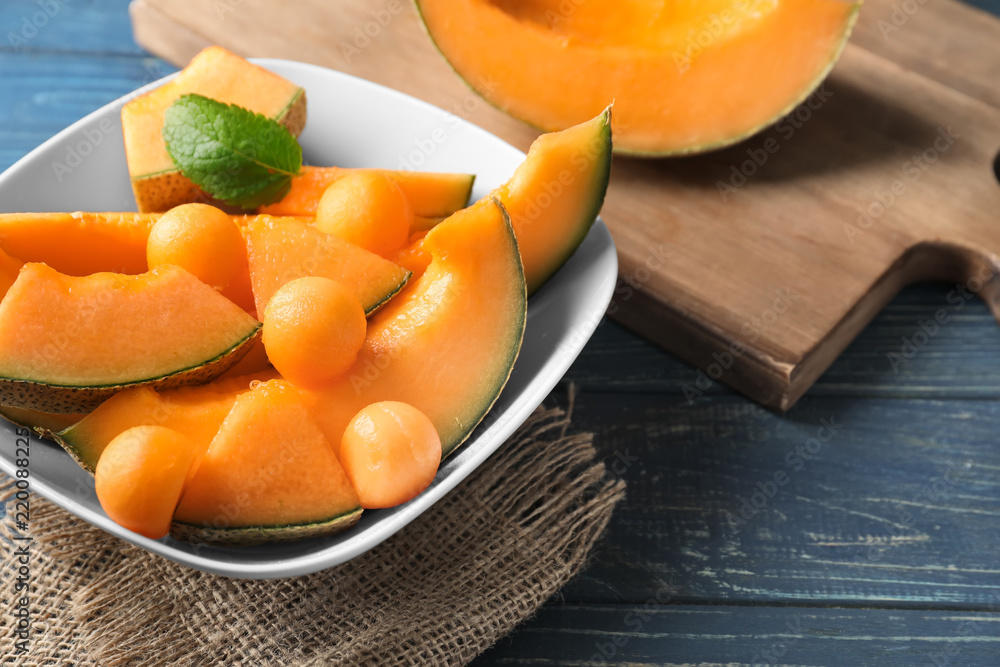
[352, 123]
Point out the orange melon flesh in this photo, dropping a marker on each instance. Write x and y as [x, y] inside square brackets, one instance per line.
[447, 344]
[431, 194]
[9, 268]
[685, 76]
[281, 250]
[268, 467]
[78, 244]
[195, 411]
[67, 343]
[413, 257]
[214, 73]
[555, 195]
[82, 243]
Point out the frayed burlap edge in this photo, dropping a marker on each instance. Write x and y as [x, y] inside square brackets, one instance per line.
[439, 592]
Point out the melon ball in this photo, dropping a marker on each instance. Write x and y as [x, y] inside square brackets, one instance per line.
[200, 239]
[141, 475]
[390, 452]
[368, 209]
[313, 330]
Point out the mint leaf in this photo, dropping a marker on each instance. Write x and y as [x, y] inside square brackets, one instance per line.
[243, 158]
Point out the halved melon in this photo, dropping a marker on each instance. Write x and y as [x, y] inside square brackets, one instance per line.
[448, 343]
[215, 73]
[80, 243]
[555, 195]
[685, 76]
[44, 424]
[196, 411]
[431, 194]
[282, 249]
[269, 475]
[68, 343]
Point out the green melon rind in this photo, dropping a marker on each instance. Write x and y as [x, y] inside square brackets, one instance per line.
[385, 298]
[852, 19]
[449, 446]
[241, 536]
[599, 189]
[293, 116]
[40, 431]
[690, 150]
[454, 205]
[75, 453]
[69, 399]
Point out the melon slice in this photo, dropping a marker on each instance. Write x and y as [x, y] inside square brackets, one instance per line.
[195, 411]
[215, 73]
[68, 343]
[44, 424]
[80, 243]
[446, 345]
[555, 195]
[282, 249]
[431, 194]
[685, 76]
[269, 475]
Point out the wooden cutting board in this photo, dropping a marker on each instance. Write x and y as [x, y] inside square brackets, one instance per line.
[758, 263]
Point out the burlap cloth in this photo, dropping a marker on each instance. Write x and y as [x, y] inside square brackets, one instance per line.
[439, 592]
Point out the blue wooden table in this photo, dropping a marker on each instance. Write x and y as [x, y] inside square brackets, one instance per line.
[861, 528]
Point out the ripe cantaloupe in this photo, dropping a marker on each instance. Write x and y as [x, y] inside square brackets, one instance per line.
[79, 243]
[268, 475]
[448, 343]
[555, 195]
[685, 76]
[68, 343]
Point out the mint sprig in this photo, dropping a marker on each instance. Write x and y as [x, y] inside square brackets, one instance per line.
[243, 158]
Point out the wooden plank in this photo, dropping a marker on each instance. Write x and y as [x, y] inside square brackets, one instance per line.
[841, 502]
[161, 34]
[689, 636]
[66, 26]
[949, 42]
[893, 357]
[786, 225]
[46, 92]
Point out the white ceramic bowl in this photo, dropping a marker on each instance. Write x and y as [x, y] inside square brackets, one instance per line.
[352, 123]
